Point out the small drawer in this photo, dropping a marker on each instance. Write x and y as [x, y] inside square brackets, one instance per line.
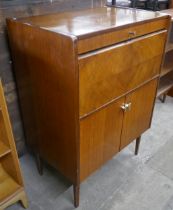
[104, 39]
[101, 40]
[147, 28]
[111, 72]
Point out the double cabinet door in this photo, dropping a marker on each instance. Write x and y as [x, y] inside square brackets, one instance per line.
[108, 130]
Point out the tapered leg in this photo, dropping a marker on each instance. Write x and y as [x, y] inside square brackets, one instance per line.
[163, 98]
[138, 140]
[39, 164]
[76, 190]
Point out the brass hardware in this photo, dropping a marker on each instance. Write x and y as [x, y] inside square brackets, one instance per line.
[132, 33]
[126, 106]
[123, 107]
[129, 105]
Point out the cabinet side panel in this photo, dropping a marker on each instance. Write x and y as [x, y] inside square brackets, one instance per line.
[45, 69]
[170, 93]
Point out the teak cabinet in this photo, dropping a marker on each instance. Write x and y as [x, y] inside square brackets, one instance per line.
[87, 82]
[11, 182]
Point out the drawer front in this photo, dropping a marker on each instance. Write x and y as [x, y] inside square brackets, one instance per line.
[138, 118]
[143, 29]
[109, 73]
[113, 37]
[100, 137]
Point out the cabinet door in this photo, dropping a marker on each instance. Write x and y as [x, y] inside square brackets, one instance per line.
[137, 118]
[108, 73]
[100, 137]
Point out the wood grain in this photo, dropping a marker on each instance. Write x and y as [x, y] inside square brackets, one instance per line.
[166, 80]
[101, 40]
[88, 22]
[51, 85]
[4, 149]
[137, 119]
[103, 74]
[11, 183]
[77, 135]
[10, 162]
[7, 183]
[100, 137]
[170, 93]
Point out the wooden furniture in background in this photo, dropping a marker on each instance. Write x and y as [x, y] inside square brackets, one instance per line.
[11, 183]
[170, 4]
[166, 78]
[82, 77]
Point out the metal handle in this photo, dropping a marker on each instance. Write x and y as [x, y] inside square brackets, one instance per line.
[132, 33]
[126, 107]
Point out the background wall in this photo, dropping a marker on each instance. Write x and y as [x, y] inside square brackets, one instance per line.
[21, 8]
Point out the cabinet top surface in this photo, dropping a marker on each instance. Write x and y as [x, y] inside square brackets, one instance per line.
[168, 12]
[87, 21]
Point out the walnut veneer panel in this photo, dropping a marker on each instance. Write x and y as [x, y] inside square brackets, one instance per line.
[100, 137]
[138, 118]
[83, 23]
[109, 38]
[50, 84]
[100, 27]
[111, 72]
[170, 93]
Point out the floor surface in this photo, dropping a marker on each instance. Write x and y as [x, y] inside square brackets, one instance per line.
[127, 182]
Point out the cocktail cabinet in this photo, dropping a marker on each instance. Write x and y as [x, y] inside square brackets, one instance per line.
[87, 82]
